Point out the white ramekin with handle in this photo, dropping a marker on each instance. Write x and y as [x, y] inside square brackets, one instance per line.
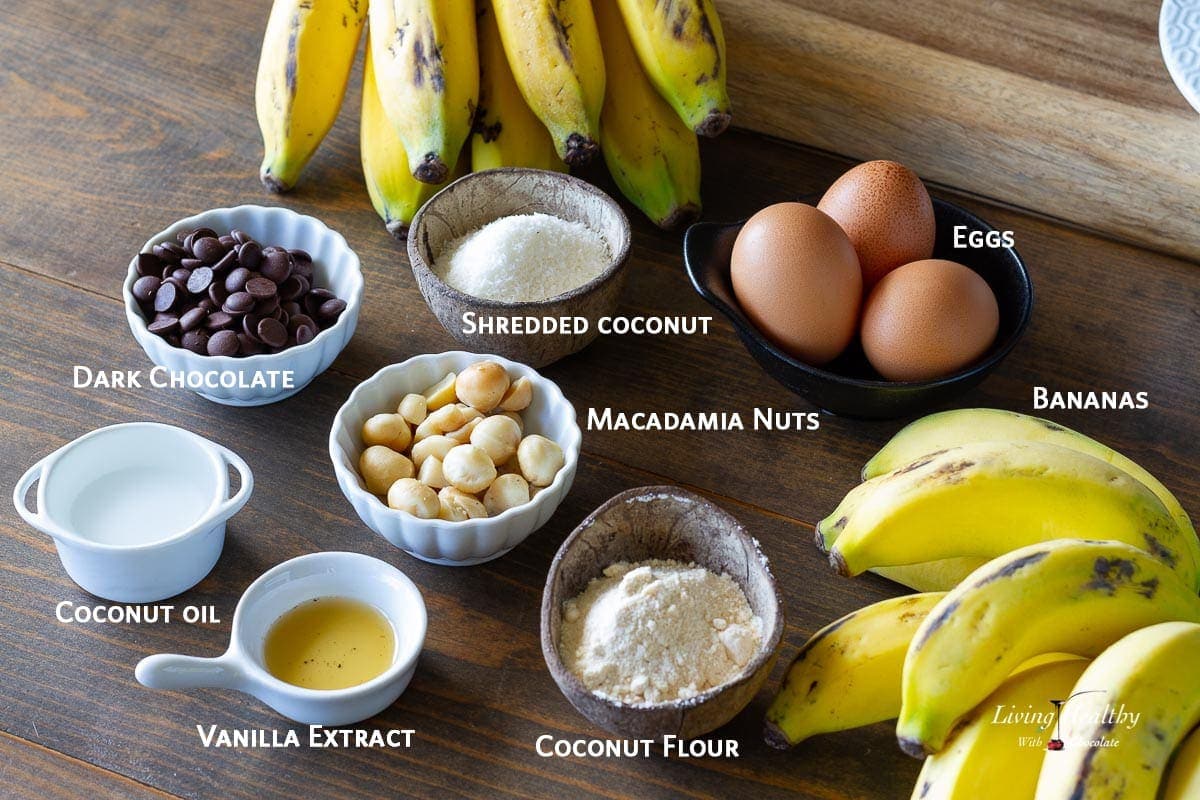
[335, 267]
[278, 590]
[137, 511]
[439, 541]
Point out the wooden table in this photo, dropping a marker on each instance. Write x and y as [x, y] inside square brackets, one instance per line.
[118, 118]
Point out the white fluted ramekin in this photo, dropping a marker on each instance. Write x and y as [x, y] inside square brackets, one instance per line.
[335, 266]
[472, 541]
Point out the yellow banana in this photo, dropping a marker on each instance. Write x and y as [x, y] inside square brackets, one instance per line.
[1106, 753]
[848, 674]
[932, 576]
[1183, 777]
[952, 428]
[395, 193]
[1063, 596]
[997, 753]
[987, 498]
[307, 52]
[682, 49]
[554, 52]
[506, 132]
[653, 157]
[427, 71]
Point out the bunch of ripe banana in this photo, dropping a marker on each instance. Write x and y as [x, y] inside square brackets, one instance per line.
[1052, 569]
[451, 85]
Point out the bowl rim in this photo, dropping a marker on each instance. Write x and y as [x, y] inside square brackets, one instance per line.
[140, 325]
[424, 271]
[744, 327]
[571, 448]
[768, 648]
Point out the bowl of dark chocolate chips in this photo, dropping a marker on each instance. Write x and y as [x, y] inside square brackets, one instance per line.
[244, 306]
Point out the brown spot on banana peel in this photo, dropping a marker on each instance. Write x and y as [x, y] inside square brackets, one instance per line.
[397, 228]
[913, 747]
[714, 123]
[272, 184]
[1160, 550]
[562, 31]
[682, 215]
[431, 169]
[774, 737]
[1008, 570]
[580, 149]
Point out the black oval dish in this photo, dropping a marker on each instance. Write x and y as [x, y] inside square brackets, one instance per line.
[848, 385]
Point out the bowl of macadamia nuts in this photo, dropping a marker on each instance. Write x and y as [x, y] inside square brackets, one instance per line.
[455, 457]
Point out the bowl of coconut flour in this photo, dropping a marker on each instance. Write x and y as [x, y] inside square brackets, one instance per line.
[660, 616]
[520, 262]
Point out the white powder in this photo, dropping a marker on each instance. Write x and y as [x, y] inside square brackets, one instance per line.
[658, 631]
[523, 257]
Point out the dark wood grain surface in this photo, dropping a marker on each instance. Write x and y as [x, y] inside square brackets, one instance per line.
[116, 119]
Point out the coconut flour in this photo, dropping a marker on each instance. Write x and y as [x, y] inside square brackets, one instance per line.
[524, 257]
[657, 631]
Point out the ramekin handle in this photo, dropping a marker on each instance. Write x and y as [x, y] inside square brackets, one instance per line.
[175, 672]
[234, 504]
[34, 518]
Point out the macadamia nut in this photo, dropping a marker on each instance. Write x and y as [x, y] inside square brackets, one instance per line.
[482, 385]
[433, 446]
[540, 459]
[431, 473]
[381, 466]
[413, 408]
[463, 434]
[507, 491]
[519, 395]
[457, 505]
[468, 467]
[446, 418]
[414, 497]
[498, 437]
[389, 430]
[441, 393]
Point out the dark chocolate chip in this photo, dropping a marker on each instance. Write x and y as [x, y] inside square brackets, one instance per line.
[217, 293]
[239, 236]
[208, 249]
[249, 255]
[227, 241]
[272, 332]
[181, 275]
[191, 263]
[304, 334]
[261, 288]
[300, 256]
[218, 320]
[277, 266]
[145, 287]
[250, 325]
[200, 279]
[291, 288]
[165, 297]
[196, 341]
[332, 308]
[149, 264]
[164, 324]
[236, 280]
[238, 303]
[250, 347]
[268, 306]
[223, 343]
[192, 318]
[225, 262]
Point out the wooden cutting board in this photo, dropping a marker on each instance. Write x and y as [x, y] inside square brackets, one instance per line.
[1064, 109]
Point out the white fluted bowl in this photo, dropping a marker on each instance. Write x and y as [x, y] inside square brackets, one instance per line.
[472, 541]
[335, 267]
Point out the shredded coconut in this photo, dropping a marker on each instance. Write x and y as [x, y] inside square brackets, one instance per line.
[657, 631]
[523, 257]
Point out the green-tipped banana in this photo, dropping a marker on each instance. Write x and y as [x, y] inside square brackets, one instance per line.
[1183, 777]
[1064, 596]
[986, 498]
[682, 49]
[997, 752]
[307, 52]
[652, 155]
[962, 426]
[848, 674]
[1107, 754]
[427, 71]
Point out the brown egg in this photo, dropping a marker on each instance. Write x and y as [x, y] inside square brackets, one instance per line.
[797, 278]
[928, 319]
[886, 211]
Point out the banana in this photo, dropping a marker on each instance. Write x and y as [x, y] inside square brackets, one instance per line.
[848, 674]
[307, 52]
[652, 155]
[1183, 777]
[1064, 596]
[427, 71]
[932, 576]
[987, 760]
[395, 193]
[987, 498]
[1152, 673]
[554, 52]
[952, 428]
[506, 133]
[682, 49]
